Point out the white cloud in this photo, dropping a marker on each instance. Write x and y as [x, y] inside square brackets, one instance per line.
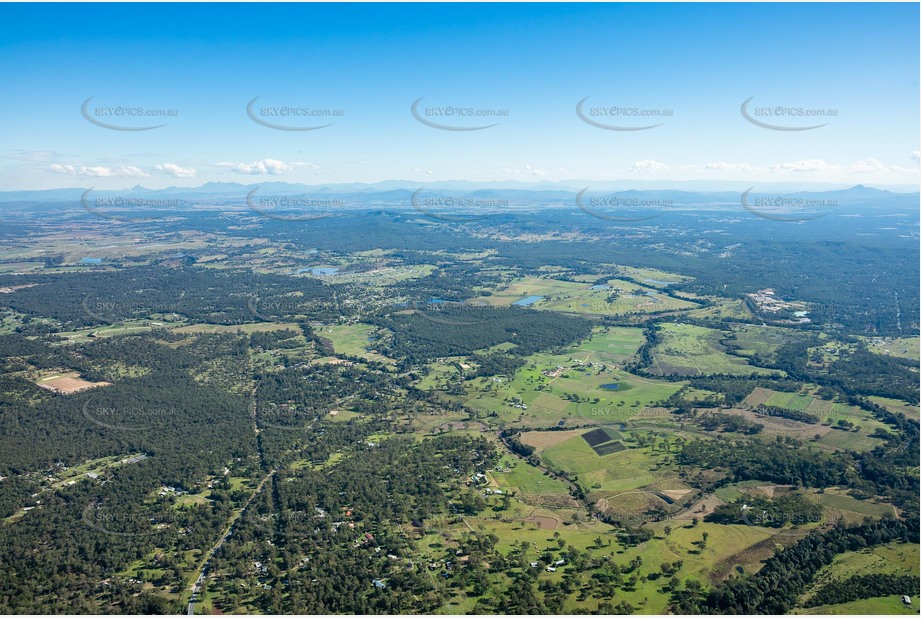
[533, 171]
[176, 171]
[916, 155]
[528, 170]
[99, 171]
[648, 166]
[131, 171]
[867, 165]
[808, 165]
[723, 166]
[872, 165]
[270, 167]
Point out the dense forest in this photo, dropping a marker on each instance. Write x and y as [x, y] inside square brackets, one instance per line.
[424, 335]
[222, 297]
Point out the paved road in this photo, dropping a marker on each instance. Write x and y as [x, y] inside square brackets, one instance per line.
[203, 569]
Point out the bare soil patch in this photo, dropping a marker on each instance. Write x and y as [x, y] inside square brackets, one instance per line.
[758, 396]
[769, 490]
[700, 508]
[545, 439]
[675, 494]
[543, 522]
[67, 385]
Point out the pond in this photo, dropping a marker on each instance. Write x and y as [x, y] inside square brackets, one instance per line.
[660, 282]
[319, 272]
[530, 300]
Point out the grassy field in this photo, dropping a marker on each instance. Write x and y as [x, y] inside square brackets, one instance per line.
[879, 606]
[609, 474]
[524, 478]
[856, 438]
[353, 340]
[722, 309]
[630, 298]
[733, 491]
[261, 327]
[904, 347]
[727, 547]
[790, 401]
[543, 531]
[838, 504]
[438, 372]
[121, 328]
[901, 558]
[573, 396]
[693, 350]
[566, 387]
[894, 405]
[613, 344]
[748, 339]
[614, 297]
[652, 275]
[851, 440]
[893, 558]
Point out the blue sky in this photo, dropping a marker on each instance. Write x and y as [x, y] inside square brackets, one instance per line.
[689, 65]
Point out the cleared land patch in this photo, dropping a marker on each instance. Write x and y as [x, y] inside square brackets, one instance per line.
[68, 383]
[541, 440]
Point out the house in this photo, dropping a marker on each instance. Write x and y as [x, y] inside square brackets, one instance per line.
[906, 599]
[551, 569]
[533, 565]
[560, 562]
[379, 584]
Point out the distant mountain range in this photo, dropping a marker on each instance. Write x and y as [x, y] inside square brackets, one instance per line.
[691, 192]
